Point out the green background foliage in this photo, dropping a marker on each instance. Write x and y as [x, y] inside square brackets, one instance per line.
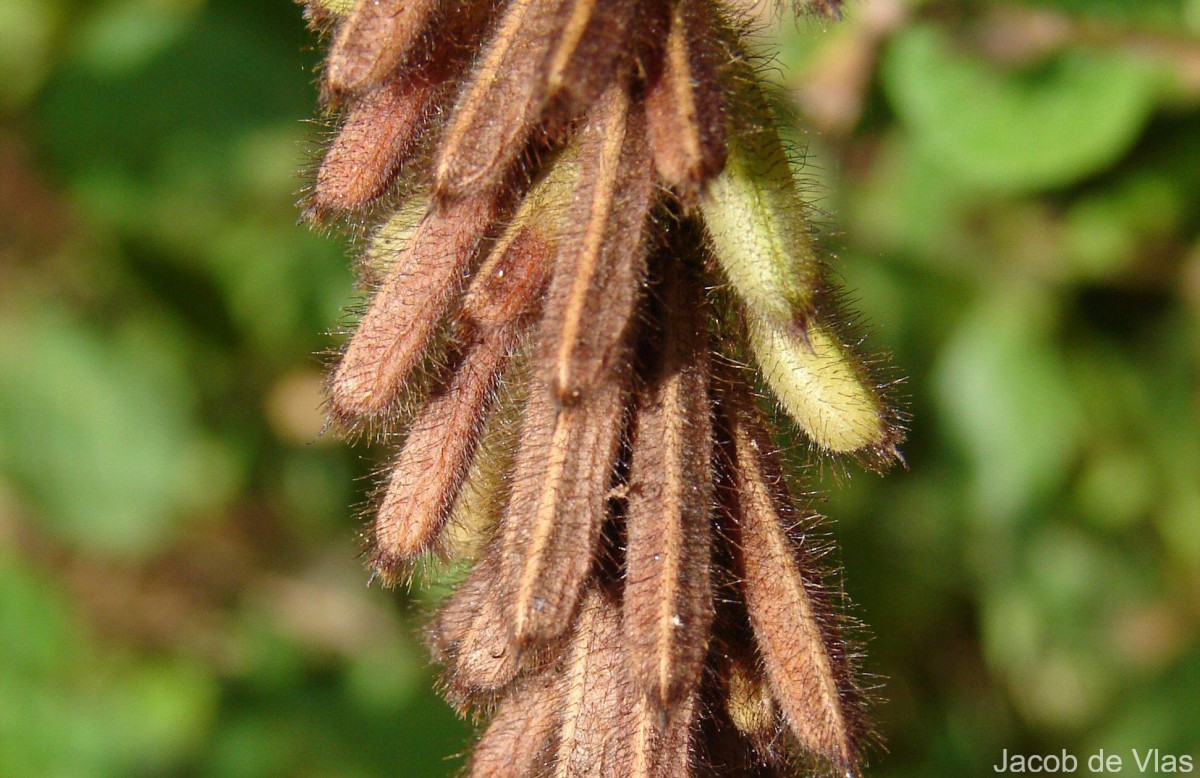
[1015, 200]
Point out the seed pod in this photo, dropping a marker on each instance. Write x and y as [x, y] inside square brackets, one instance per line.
[661, 738]
[471, 637]
[402, 318]
[372, 42]
[684, 107]
[601, 260]
[376, 139]
[503, 100]
[823, 390]
[590, 51]
[518, 740]
[786, 617]
[431, 466]
[596, 694]
[551, 527]
[668, 608]
[755, 218]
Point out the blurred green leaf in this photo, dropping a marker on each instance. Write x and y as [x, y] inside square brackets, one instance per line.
[1016, 131]
[1007, 399]
[102, 437]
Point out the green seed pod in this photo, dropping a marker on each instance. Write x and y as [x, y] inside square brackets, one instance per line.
[390, 239]
[338, 8]
[755, 219]
[819, 385]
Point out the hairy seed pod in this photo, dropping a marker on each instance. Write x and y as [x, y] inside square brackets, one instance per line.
[596, 694]
[372, 42]
[684, 107]
[590, 52]
[429, 471]
[527, 248]
[821, 388]
[601, 260]
[756, 220]
[661, 738]
[403, 316]
[517, 741]
[785, 616]
[551, 528]
[668, 608]
[375, 140]
[470, 635]
[503, 100]
[441, 444]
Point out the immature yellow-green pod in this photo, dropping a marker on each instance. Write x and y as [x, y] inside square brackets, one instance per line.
[756, 219]
[390, 239]
[820, 387]
[336, 7]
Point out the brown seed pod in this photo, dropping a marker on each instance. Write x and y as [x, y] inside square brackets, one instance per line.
[441, 443]
[668, 608]
[661, 744]
[503, 100]
[684, 106]
[597, 697]
[470, 635]
[601, 259]
[375, 140]
[590, 52]
[400, 323]
[551, 528]
[788, 619]
[372, 42]
[431, 466]
[518, 739]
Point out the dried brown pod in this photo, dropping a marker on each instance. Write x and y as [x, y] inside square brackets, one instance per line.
[518, 739]
[503, 99]
[551, 529]
[591, 51]
[373, 143]
[371, 43]
[790, 622]
[668, 607]
[601, 259]
[399, 325]
[441, 443]
[661, 744]
[684, 104]
[430, 468]
[597, 697]
[469, 635]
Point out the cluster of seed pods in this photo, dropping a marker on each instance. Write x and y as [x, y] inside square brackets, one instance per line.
[589, 268]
